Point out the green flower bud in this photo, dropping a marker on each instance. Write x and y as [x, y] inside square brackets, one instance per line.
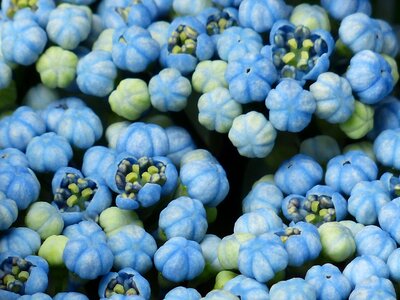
[45, 219]
[360, 123]
[52, 249]
[113, 219]
[209, 75]
[337, 241]
[57, 67]
[130, 99]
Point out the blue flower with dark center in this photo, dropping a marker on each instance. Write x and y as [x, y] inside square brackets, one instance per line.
[298, 52]
[188, 43]
[77, 197]
[322, 204]
[39, 9]
[216, 20]
[126, 282]
[141, 182]
[126, 13]
[302, 243]
[21, 276]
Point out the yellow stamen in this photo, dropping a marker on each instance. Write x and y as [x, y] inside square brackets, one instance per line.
[152, 170]
[119, 289]
[135, 168]
[23, 276]
[288, 57]
[72, 200]
[86, 193]
[131, 177]
[307, 44]
[292, 44]
[73, 187]
[310, 218]
[176, 49]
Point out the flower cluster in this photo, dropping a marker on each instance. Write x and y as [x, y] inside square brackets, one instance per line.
[176, 149]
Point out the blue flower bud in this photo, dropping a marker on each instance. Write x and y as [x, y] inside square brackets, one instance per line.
[372, 240]
[342, 8]
[370, 76]
[69, 25]
[261, 15]
[8, 212]
[21, 241]
[258, 222]
[298, 174]
[86, 258]
[360, 32]
[328, 282]
[132, 247]
[179, 259]
[204, 179]
[185, 217]
[334, 98]
[250, 77]
[70, 296]
[14, 157]
[17, 130]
[22, 32]
[263, 195]
[181, 292]
[48, 152]
[290, 107]
[256, 140]
[374, 287]
[267, 250]
[366, 200]
[295, 288]
[345, 171]
[19, 184]
[169, 90]
[247, 288]
[154, 141]
[96, 73]
[385, 148]
[134, 49]
[387, 219]
[363, 267]
[180, 143]
[236, 41]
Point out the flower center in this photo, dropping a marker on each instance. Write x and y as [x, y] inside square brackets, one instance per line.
[218, 22]
[74, 193]
[297, 51]
[288, 232]
[123, 284]
[295, 210]
[14, 272]
[124, 11]
[183, 40]
[320, 209]
[133, 175]
[16, 5]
